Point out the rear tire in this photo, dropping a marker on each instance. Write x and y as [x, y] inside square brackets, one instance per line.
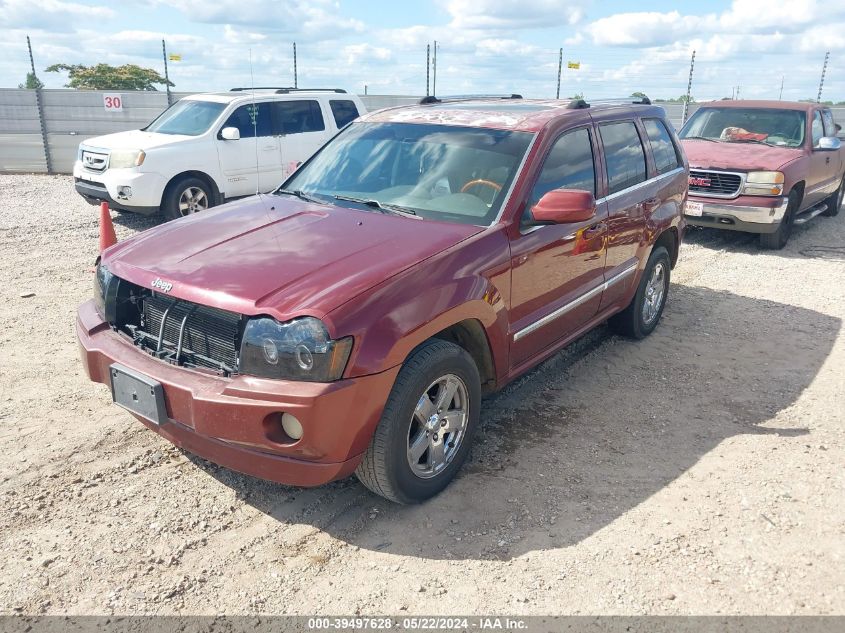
[186, 196]
[834, 202]
[643, 314]
[410, 458]
[777, 240]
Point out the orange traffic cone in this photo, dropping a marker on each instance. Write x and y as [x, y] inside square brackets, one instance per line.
[107, 236]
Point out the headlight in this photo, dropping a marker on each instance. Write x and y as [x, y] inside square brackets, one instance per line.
[124, 158]
[763, 183]
[102, 282]
[296, 350]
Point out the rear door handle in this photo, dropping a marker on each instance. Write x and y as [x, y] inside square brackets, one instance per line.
[269, 148]
[827, 159]
[595, 231]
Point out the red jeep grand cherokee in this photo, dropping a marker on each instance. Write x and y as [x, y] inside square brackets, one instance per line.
[352, 320]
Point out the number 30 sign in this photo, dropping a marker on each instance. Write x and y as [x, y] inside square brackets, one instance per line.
[112, 103]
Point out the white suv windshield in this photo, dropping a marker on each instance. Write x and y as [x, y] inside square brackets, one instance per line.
[187, 117]
[443, 172]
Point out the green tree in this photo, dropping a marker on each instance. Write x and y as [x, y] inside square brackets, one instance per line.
[32, 82]
[106, 77]
[639, 95]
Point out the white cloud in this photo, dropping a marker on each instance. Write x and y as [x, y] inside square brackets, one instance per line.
[356, 53]
[513, 14]
[48, 15]
[309, 18]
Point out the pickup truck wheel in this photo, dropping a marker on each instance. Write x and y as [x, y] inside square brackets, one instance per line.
[427, 425]
[641, 316]
[835, 201]
[187, 196]
[777, 240]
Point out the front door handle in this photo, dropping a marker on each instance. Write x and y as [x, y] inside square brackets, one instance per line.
[595, 231]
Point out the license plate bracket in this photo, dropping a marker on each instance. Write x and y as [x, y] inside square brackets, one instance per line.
[694, 209]
[138, 393]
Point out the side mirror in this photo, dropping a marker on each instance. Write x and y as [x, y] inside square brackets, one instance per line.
[829, 143]
[565, 206]
[230, 134]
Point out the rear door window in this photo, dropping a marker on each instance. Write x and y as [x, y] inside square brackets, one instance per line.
[829, 125]
[662, 147]
[296, 117]
[624, 155]
[344, 111]
[252, 119]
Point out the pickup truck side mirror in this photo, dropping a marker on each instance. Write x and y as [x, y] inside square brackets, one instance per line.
[564, 206]
[829, 143]
[230, 134]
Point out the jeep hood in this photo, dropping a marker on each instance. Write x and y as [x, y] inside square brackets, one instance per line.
[134, 139]
[278, 255]
[737, 156]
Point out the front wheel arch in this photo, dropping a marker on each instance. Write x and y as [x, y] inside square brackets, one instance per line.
[217, 198]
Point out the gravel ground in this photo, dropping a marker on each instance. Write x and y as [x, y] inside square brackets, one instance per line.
[697, 472]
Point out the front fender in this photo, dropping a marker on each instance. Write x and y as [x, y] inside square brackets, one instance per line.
[469, 281]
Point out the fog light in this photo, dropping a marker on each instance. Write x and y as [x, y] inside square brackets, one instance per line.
[124, 192]
[291, 426]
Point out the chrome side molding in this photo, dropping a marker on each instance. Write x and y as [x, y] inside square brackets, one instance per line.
[575, 302]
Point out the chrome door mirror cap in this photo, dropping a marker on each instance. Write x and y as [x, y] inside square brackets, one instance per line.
[829, 143]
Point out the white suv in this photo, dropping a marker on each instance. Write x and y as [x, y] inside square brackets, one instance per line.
[208, 148]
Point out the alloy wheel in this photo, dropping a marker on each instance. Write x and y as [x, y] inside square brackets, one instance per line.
[438, 426]
[192, 200]
[655, 290]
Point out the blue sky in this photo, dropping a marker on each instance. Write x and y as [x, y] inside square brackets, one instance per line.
[486, 46]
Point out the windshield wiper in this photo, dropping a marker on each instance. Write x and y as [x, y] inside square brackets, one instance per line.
[299, 194]
[703, 138]
[748, 140]
[375, 204]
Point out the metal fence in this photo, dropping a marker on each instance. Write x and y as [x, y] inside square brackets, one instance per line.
[71, 116]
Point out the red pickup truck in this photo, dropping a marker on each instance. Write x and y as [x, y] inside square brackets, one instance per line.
[352, 320]
[762, 167]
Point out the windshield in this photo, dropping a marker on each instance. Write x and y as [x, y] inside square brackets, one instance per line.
[747, 125]
[456, 174]
[187, 117]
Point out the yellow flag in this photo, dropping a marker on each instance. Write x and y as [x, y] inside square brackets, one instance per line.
[174, 57]
[574, 65]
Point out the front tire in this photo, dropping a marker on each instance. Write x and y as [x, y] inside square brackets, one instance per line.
[777, 240]
[639, 319]
[187, 196]
[427, 425]
[834, 202]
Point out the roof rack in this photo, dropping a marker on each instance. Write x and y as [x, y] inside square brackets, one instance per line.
[431, 99]
[579, 104]
[288, 89]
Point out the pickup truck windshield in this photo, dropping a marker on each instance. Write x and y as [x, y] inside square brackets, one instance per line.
[442, 172]
[187, 117]
[747, 125]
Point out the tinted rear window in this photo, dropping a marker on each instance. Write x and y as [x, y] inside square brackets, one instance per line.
[662, 147]
[344, 112]
[624, 155]
[296, 117]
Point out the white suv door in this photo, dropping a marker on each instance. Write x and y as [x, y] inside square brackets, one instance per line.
[253, 161]
[302, 130]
